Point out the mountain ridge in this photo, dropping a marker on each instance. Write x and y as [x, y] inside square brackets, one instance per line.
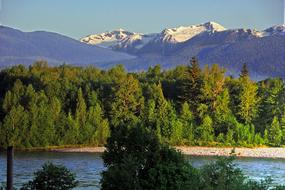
[263, 51]
[169, 36]
[117, 38]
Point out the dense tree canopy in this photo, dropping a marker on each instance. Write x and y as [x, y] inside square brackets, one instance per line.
[188, 105]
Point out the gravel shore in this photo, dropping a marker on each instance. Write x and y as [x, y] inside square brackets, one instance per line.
[81, 149]
[204, 151]
[239, 152]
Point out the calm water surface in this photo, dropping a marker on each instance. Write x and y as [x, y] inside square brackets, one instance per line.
[88, 166]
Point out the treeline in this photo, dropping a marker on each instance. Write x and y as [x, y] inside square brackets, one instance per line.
[65, 105]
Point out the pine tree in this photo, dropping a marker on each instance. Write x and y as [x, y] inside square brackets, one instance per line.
[229, 138]
[244, 71]
[153, 73]
[213, 86]
[127, 104]
[14, 123]
[205, 130]
[187, 120]
[80, 114]
[220, 138]
[265, 136]
[245, 134]
[72, 134]
[248, 100]
[222, 112]
[13, 96]
[271, 93]
[258, 140]
[282, 127]
[275, 133]
[150, 114]
[191, 84]
[168, 120]
[160, 113]
[99, 127]
[176, 133]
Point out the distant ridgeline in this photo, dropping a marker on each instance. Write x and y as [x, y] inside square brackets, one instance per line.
[45, 106]
[263, 50]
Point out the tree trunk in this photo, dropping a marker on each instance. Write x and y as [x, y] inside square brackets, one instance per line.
[10, 157]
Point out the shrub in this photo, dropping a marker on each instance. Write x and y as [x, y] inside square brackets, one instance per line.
[52, 177]
[222, 174]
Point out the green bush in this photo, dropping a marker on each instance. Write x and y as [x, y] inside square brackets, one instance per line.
[52, 177]
[224, 175]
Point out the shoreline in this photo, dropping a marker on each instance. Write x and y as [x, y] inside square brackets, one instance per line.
[260, 152]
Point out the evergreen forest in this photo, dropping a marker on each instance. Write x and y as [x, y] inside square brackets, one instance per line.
[42, 105]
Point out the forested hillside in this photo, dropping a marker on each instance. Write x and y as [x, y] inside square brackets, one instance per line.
[43, 106]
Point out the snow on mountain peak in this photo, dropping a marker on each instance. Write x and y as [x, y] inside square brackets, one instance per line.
[107, 39]
[118, 39]
[121, 38]
[184, 33]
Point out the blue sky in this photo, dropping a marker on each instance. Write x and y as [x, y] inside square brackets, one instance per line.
[78, 18]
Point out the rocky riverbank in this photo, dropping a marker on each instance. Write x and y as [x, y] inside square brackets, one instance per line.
[239, 152]
[204, 151]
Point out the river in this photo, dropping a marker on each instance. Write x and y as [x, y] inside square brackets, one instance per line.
[88, 166]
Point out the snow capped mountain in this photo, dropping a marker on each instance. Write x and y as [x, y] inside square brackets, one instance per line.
[184, 33]
[124, 40]
[131, 42]
[170, 38]
[210, 42]
[119, 40]
[107, 39]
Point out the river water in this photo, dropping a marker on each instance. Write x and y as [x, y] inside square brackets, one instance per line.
[88, 166]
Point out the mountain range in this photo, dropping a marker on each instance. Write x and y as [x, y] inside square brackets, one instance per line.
[263, 51]
[137, 43]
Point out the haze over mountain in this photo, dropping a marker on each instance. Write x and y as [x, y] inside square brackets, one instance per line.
[17, 47]
[263, 51]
